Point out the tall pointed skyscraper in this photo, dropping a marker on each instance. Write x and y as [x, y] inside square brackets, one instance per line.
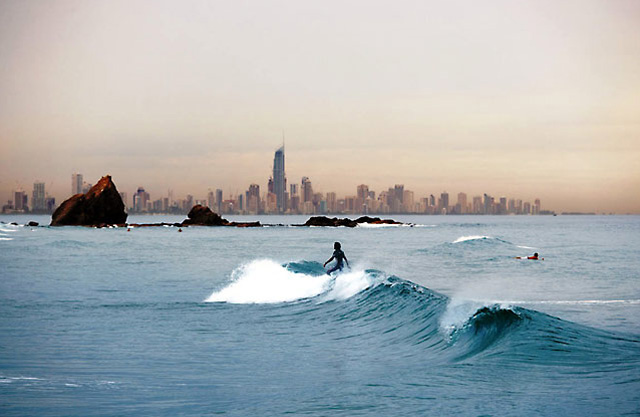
[279, 180]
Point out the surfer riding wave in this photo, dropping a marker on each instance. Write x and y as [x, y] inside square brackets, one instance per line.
[339, 256]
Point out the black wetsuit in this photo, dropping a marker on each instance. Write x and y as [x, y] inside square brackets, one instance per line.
[338, 255]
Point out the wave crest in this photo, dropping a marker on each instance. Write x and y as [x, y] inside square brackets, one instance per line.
[265, 281]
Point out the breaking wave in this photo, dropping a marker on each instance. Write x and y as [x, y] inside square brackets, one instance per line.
[411, 316]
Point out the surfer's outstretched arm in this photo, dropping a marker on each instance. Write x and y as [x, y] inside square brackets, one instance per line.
[330, 259]
[347, 261]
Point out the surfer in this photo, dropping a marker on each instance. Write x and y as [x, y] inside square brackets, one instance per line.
[535, 257]
[339, 256]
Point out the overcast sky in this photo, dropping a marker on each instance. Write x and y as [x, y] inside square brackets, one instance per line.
[525, 99]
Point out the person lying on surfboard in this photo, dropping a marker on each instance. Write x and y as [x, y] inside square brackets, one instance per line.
[339, 256]
[535, 257]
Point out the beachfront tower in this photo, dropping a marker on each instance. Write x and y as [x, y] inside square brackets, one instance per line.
[76, 184]
[279, 180]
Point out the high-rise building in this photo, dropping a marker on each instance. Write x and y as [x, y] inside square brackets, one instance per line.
[38, 199]
[502, 207]
[477, 205]
[462, 202]
[253, 199]
[211, 200]
[488, 204]
[76, 184]
[279, 180]
[50, 204]
[332, 202]
[219, 201]
[363, 191]
[399, 192]
[20, 201]
[408, 205]
[444, 202]
[140, 200]
[307, 190]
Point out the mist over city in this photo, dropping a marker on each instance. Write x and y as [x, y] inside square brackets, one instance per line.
[510, 101]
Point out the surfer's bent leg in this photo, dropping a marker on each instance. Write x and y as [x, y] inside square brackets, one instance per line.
[334, 269]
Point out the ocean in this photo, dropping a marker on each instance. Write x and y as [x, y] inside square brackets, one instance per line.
[435, 319]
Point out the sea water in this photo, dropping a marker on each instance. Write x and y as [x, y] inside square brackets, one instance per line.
[434, 319]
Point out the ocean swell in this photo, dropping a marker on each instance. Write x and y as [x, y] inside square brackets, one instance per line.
[410, 317]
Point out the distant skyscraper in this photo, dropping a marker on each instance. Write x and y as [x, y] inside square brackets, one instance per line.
[502, 208]
[38, 197]
[253, 199]
[20, 201]
[140, 200]
[462, 202]
[399, 192]
[306, 189]
[444, 201]
[362, 191]
[76, 184]
[279, 180]
[219, 201]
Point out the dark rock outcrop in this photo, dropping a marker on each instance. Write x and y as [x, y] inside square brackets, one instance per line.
[335, 222]
[376, 220]
[32, 224]
[101, 205]
[203, 216]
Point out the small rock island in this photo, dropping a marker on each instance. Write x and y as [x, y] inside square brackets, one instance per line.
[336, 222]
[101, 205]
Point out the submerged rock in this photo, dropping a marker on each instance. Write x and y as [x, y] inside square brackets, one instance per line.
[101, 205]
[33, 224]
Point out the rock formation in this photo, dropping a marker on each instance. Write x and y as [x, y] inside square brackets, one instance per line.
[335, 222]
[101, 205]
[203, 216]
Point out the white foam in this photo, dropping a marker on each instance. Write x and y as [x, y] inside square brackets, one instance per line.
[467, 238]
[265, 281]
[6, 238]
[348, 284]
[378, 226]
[525, 247]
[7, 230]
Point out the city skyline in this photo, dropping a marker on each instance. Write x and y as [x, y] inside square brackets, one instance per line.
[536, 99]
[276, 199]
[299, 199]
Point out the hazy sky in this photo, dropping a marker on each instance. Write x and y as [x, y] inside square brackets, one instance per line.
[518, 98]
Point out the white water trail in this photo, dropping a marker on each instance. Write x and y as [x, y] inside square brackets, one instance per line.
[264, 281]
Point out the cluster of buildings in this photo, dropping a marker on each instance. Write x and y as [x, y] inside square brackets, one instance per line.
[41, 202]
[300, 198]
[297, 198]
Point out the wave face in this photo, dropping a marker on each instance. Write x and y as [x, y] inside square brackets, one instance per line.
[416, 320]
